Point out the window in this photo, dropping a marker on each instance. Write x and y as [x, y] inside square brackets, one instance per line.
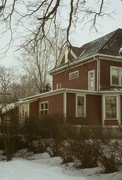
[73, 75]
[91, 80]
[26, 111]
[7, 120]
[116, 76]
[110, 107]
[43, 108]
[60, 85]
[23, 111]
[80, 106]
[57, 86]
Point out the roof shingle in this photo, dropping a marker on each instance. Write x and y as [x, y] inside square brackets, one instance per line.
[108, 44]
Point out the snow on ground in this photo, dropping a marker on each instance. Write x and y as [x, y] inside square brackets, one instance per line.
[42, 167]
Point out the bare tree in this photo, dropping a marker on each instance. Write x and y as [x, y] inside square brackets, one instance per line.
[36, 61]
[41, 17]
[6, 79]
[24, 88]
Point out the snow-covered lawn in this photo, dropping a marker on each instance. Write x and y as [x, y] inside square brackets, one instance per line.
[42, 167]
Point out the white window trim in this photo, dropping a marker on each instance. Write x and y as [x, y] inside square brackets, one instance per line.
[57, 87]
[82, 95]
[27, 109]
[43, 102]
[64, 53]
[120, 69]
[22, 118]
[73, 73]
[118, 118]
[92, 71]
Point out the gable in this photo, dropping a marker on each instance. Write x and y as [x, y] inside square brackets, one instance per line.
[66, 55]
[109, 45]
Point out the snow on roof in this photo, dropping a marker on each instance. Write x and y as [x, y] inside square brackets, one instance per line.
[9, 107]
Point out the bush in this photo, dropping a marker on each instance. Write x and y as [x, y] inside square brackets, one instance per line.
[87, 152]
[65, 152]
[38, 145]
[46, 126]
[52, 147]
[109, 164]
[111, 156]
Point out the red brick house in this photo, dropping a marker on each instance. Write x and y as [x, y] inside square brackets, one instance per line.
[87, 85]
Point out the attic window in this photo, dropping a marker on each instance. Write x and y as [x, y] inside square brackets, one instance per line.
[120, 51]
[73, 75]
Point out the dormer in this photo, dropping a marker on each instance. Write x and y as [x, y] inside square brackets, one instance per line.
[66, 55]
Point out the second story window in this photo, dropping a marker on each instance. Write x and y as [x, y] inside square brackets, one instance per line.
[116, 76]
[57, 86]
[73, 75]
[91, 80]
[43, 108]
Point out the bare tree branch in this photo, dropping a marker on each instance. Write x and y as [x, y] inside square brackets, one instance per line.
[41, 17]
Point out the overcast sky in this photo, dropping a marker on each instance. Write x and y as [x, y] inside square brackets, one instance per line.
[79, 36]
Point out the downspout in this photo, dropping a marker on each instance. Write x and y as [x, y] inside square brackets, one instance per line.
[65, 105]
[98, 72]
[99, 85]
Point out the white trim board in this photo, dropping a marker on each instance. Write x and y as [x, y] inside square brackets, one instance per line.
[82, 95]
[81, 60]
[117, 108]
[89, 72]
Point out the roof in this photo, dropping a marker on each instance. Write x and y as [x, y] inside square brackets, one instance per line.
[109, 44]
[9, 107]
[33, 98]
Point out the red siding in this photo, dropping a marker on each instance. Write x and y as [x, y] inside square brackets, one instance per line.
[111, 122]
[55, 103]
[121, 108]
[34, 109]
[105, 72]
[93, 110]
[79, 83]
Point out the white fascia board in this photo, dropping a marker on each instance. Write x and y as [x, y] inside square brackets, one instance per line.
[36, 97]
[73, 54]
[61, 55]
[41, 94]
[112, 92]
[82, 91]
[70, 65]
[62, 90]
[54, 92]
[64, 52]
[93, 92]
[109, 57]
[83, 60]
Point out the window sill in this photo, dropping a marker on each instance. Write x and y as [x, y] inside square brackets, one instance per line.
[110, 119]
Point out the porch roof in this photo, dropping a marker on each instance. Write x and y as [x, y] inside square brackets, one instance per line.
[68, 90]
[29, 99]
